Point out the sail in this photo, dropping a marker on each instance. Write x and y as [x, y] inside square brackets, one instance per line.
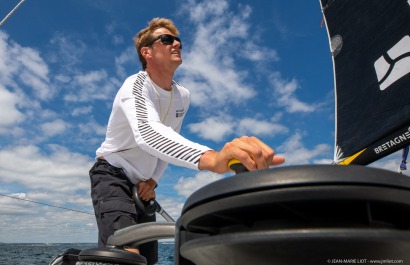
[370, 46]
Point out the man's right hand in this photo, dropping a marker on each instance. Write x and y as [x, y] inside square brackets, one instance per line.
[252, 152]
[146, 190]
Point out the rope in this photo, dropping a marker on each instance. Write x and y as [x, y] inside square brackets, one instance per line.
[11, 12]
[50, 205]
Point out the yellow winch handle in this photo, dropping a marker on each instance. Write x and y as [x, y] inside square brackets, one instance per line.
[237, 166]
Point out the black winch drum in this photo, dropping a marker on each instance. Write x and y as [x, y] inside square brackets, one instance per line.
[108, 256]
[315, 214]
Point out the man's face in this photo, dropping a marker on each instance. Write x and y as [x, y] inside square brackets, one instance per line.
[165, 53]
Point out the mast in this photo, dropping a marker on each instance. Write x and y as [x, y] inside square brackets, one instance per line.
[11, 13]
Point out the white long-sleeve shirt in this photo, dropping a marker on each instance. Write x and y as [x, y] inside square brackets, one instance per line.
[143, 130]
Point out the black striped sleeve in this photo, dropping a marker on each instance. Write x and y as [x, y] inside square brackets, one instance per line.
[153, 138]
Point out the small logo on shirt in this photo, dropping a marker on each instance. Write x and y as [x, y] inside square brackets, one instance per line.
[180, 113]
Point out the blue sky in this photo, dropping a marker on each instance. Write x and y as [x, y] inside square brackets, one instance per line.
[253, 67]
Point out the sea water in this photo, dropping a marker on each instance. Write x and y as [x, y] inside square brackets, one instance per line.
[42, 254]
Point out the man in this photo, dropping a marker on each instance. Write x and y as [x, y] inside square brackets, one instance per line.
[143, 137]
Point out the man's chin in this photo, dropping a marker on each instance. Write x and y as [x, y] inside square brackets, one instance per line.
[178, 61]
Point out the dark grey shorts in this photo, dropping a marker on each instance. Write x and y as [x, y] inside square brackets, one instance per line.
[111, 193]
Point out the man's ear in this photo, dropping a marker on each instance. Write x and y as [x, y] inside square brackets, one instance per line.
[145, 52]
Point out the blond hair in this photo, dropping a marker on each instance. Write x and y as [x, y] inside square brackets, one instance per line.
[144, 36]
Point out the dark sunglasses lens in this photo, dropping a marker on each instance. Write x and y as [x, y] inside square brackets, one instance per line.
[169, 39]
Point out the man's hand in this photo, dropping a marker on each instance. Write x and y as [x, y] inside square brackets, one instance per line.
[146, 190]
[252, 152]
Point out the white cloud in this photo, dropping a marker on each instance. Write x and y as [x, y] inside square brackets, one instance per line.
[199, 11]
[55, 127]
[249, 126]
[323, 161]
[213, 128]
[25, 65]
[392, 163]
[63, 78]
[186, 186]
[34, 73]
[171, 205]
[257, 54]
[59, 178]
[9, 114]
[66, 51]
[209, 82]
[92, 85]
[128, 58]
[117, 39]
[297, 154]
[81, 111]
[11, 206]
[219, 128]
[31, 222]
[110, 29]
[60, 171]
[285, 94]
[209, 68]
[92, 127]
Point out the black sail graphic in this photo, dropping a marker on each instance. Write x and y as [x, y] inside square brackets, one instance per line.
[370, 45]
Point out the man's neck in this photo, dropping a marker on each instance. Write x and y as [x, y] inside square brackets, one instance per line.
[162, 78]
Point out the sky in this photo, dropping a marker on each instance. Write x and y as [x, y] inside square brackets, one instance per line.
[253, 67]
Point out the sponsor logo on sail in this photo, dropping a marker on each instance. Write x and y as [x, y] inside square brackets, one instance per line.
[336, 44]
[393, 142]
[394, 64]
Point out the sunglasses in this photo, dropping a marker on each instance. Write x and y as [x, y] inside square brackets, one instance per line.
[166, 39]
